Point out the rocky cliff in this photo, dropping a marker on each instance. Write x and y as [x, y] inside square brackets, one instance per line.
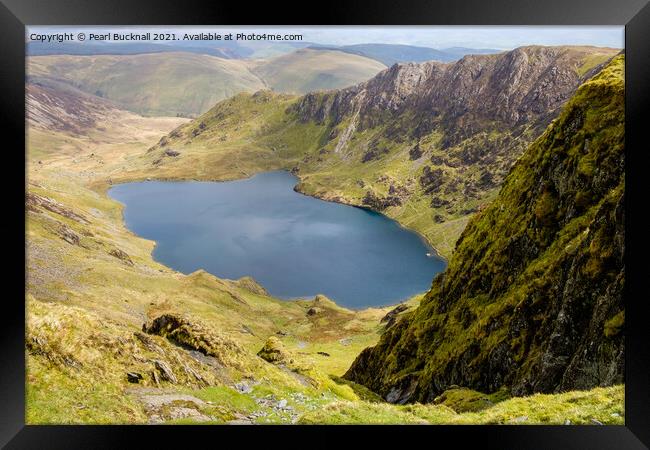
[532, 298]
[520, 88]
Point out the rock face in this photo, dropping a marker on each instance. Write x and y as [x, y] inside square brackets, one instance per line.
[515, 88]
[532, 299]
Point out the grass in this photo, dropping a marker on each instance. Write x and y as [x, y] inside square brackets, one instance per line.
[309, 70]
[599, 405]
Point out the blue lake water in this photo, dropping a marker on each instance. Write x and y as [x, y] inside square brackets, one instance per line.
[294, 245]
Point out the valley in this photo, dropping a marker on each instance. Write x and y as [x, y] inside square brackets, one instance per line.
[116, 337]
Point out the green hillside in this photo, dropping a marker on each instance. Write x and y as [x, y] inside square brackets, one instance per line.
[188, 84]
[309, 70]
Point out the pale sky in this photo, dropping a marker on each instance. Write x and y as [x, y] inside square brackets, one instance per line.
[496, 37]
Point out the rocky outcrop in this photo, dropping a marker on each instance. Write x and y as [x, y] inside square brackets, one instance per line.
[532, 299]
[193, 336]
[121, 255]
[274, 351]
[36, 203]
[391, 316]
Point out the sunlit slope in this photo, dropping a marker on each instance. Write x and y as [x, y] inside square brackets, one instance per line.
[188, 84]
[308, 70]
[160, 84]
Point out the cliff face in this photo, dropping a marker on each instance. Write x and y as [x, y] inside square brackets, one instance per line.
[532, 298]
[520, 87]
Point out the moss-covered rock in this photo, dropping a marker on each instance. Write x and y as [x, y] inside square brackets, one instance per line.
[274, 351]
[467, 400]
[194, 336]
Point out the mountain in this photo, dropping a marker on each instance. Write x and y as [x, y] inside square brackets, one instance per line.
[67, 110]
[308, 70]
[225, 50]
[64, 122]
[152, 84]
[427, 144]
[532, 299]
[390, 54]
[187, 84]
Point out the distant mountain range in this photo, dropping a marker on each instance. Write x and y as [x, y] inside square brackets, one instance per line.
[387, 54]
[390, 54]
[228, 50]
[188, 83]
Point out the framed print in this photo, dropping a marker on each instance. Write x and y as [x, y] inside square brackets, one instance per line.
[425, 217]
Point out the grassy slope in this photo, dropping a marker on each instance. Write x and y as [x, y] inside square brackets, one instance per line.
[309, 70]
[600, 405]
[188, 84]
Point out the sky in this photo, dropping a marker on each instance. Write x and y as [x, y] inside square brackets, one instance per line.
[493, 37]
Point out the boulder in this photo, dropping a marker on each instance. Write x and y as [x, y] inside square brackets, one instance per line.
[166, 373]
[313, 311]
[133, 377]
[274, 351]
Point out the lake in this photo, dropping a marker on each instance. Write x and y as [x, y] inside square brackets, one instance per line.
[292, 244]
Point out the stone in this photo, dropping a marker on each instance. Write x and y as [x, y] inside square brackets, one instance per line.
[121, 255]
[520, 419]
[133, 377]
[166, 373]
[274, 351]
[313, 311]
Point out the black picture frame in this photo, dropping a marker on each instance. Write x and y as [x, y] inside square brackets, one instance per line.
[16, 14]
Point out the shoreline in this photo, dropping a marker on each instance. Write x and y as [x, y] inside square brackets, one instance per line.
[105, 185]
